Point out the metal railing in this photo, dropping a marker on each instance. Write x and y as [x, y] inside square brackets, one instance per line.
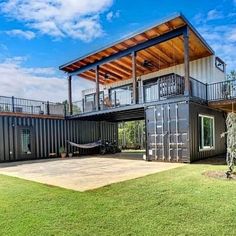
[165, 87]
[21, 105]
[224, 90]
[198, 89]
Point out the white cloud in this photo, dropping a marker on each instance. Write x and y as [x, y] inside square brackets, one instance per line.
[112, 15]
[211, 15]
[36, 83]
[222, 39]
[20, 33]
[79, 19]
[221, 36]
[214, 15]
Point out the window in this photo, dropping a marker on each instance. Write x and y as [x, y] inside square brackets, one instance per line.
[122, 95]
[220, 64]
[207, 132]
[25, 141]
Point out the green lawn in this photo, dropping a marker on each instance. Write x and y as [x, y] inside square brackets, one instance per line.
[177, 202]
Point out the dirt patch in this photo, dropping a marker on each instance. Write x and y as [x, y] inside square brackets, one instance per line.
[219, 175]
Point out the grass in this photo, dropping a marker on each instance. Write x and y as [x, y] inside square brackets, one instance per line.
[176, 202]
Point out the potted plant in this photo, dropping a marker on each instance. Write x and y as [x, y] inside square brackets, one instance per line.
[62, 152]
[70, 154]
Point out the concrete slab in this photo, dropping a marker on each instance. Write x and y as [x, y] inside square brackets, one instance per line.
[83, 174]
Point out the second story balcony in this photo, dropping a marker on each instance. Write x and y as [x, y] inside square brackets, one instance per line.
[22, 106]
[153, 90]
[166, 60]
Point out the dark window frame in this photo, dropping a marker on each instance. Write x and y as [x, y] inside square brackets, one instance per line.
[202, 146]
[218, 60]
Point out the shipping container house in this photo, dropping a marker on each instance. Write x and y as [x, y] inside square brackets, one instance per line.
[166, 74]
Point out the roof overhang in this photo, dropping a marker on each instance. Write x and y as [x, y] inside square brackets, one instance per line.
[159, 46]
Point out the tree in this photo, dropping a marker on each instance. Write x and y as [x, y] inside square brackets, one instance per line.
[231, 142]
[232, 75]
[76, 107]
[132, 134]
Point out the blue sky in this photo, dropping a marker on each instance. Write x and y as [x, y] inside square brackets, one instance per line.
[36, 36]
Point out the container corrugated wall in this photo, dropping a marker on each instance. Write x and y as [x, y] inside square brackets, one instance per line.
[173, 132]
[167, 132]
[220, 144]
[202, 69]
[50, 134]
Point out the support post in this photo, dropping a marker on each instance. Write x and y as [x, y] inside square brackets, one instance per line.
[13, 103]
[97, 96]
[134, 76]
[47, 108]
[70, 96]
[186, 62]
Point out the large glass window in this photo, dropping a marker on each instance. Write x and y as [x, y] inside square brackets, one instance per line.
[151, 92]
[121, 95]
[25, 141]
[207, 132]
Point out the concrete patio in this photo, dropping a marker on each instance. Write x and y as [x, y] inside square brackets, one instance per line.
[83, 174]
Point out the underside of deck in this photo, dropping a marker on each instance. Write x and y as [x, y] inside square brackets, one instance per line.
[126, 113]
[228, 105]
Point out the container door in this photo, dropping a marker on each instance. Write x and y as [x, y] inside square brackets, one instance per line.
[167, 132]
[151, 132]
[156, 133]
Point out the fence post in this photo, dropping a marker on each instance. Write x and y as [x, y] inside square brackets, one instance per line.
[65, 112]
[13, 103]
[206, 92]
[47, 108]
[115, 97]
[158, 90]
[83, 105]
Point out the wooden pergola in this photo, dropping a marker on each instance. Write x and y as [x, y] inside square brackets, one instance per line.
[169, 42]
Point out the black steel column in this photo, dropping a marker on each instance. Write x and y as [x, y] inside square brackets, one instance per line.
[70, 107]
[186, 62]
[97, 97]
[134, 76]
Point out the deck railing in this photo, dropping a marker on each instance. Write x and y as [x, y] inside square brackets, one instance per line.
[26, 106]
[198, 89]
[224, 90]
[165, 87]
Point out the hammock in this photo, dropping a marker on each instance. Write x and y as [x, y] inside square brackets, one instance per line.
[87, 145]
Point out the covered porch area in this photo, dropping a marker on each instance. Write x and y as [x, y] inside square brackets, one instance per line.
[124, 73]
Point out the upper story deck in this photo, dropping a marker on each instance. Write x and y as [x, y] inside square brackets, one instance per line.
[34, 108]
[166, 60]
[219, 95]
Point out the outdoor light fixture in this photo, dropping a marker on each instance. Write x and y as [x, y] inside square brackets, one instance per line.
[106, 76]
[147, 64]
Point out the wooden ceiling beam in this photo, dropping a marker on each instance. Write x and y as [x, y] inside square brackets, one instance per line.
[85, 76]
[149, 58]
[160, 52]
[91, 74]
[139, 67]
[148, 53]
[116, 68]
[105, 71]
[169, 24]
[166, 43]
[102, 72]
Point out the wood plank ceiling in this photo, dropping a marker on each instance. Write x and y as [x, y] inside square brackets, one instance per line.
[152, 59]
